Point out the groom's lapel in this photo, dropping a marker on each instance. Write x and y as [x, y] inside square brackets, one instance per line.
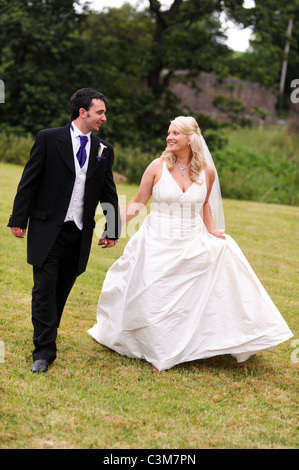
[65, 147]
[93, 162]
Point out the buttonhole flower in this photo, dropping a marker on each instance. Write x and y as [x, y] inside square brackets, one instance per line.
[100, 152]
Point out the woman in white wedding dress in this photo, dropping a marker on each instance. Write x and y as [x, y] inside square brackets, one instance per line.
[183, 290]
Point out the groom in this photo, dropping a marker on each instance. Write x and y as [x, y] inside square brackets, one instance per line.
[68, 173]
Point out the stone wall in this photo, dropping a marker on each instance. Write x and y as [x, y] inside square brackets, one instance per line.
[200, 97]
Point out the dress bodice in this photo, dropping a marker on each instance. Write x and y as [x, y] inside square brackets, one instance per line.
[176, 214]
[170, 199]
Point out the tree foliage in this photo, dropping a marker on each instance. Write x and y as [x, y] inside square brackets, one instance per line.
[263, 64]
[39, 60]
[48, 49]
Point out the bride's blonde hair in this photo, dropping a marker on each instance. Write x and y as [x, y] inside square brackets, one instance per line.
[188, 126]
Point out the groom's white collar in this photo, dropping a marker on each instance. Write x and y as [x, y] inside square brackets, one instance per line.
[77, 131]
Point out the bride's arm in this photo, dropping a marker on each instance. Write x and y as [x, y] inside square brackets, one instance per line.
[207, 213]
[144, 193]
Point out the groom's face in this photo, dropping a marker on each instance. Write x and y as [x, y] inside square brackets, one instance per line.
[95, 116]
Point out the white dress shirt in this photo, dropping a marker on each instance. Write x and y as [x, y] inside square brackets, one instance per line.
[75, 209]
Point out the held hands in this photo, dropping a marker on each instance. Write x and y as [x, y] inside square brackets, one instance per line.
[18, 232]
[106, 243]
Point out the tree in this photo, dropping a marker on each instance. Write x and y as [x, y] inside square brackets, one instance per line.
[187, 36]
[142, 52]
[39, 60]
[48, 50]
[270, 20]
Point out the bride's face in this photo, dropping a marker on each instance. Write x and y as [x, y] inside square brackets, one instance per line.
[176, 140]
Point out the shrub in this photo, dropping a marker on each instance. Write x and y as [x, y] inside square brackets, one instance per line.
[14, 148]
[252, 165]
[293, 125]
[131, 162]
[257, 176]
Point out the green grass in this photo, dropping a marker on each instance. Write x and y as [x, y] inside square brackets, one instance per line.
[93, 398]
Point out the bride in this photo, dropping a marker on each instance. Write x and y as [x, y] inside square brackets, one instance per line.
[183, 290]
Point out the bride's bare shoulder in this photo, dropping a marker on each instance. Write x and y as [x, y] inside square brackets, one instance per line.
[155, 166]
[156, 163]
[210, 172]
[154, 170]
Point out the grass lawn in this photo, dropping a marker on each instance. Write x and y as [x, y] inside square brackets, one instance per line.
[93, 398]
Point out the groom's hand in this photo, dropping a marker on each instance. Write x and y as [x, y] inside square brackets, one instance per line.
[106, 243]
[18, 232]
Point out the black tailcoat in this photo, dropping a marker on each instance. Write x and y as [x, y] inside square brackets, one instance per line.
[45, 190]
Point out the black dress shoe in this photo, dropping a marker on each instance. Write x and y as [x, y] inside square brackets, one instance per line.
[40, 365]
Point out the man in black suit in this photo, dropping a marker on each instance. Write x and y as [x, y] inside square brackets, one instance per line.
[68, 173]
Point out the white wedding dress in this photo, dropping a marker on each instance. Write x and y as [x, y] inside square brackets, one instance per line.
[179, 294]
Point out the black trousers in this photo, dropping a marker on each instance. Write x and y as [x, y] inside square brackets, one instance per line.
[52, 285]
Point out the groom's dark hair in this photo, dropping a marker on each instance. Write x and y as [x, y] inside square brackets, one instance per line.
[82, 99]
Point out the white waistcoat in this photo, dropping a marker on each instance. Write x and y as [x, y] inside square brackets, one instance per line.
[75, 209]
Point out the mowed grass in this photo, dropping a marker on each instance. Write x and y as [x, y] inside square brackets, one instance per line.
[93, 398]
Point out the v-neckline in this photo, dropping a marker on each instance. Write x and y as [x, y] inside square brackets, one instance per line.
[177, 184]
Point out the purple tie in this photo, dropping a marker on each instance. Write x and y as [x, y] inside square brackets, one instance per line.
[81, 155]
